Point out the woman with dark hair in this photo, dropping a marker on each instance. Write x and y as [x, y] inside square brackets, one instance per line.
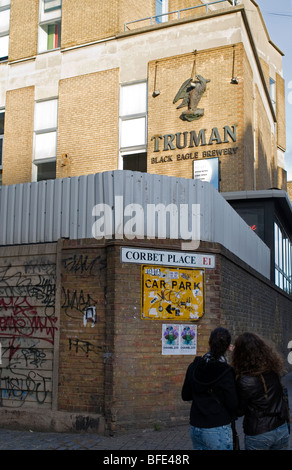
[210, 385]
[258, 370]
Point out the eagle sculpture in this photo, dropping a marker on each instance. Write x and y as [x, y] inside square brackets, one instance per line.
[191, 92]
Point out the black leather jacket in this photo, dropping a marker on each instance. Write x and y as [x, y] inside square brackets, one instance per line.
[210, 385]
[261, 402]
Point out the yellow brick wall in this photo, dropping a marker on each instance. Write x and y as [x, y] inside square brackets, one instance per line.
[289, 190]
[181, 4]
[98, 19]
[82, 23]
[249, 124]
[280, 111]
[88, 125]
[88, 21]
[266, 170]
[223, 104]
[175, 5]
[266, 72]
[23, 29]
[282, 178]
[18, 137]
[131, 10]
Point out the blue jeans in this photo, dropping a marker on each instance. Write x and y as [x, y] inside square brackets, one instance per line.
[219, 438]
[278, 439]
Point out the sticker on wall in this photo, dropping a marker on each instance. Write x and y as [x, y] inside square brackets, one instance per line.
[170, 339]
[89, 316]
[172, 293]
[179, 339]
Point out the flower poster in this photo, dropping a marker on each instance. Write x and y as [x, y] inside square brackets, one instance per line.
[179, 339]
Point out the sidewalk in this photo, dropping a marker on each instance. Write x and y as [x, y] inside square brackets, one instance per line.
[174, 438]
[169, 439]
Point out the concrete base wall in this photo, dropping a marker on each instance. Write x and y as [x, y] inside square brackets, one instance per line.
[52, 421]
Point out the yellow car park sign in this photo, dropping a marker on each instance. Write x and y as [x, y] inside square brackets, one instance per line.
[172, 293]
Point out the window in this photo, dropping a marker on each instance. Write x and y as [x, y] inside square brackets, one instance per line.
[50, 5]
[135, 162]
[273, 92]
[45, 138]
[50, 36]
[46, 171]
[2, 116]
[283, 259]
[49, 25]
[133, 132]
[254, 216]
[161, 8]
[4, 28]
[133, 126]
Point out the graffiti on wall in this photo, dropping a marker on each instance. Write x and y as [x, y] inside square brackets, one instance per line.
[81, 295]
[86, 347]
[27, 331]
[78, 301]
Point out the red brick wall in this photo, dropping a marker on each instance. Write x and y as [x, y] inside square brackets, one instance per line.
[117, 368]
[81, 369]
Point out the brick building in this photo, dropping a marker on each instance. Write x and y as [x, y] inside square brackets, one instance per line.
[93, 90]
[289, 189]
[176, 91]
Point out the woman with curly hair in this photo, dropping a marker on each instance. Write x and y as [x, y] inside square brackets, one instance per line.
[258, 369]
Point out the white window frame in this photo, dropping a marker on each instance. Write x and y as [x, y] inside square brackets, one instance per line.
[282, 258]
[272, 91]
[4, 33]
[2, 111]
[164, 11]
[42, 130]
[128, 118]
[48, 17]
[1, 145]
[50, 5]
[36, 168]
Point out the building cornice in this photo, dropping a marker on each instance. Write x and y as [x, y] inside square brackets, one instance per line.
[232, 10]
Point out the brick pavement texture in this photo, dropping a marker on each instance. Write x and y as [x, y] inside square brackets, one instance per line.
[174, 438]
[168, 439]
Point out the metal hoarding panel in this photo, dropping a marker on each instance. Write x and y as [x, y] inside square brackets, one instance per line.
[49, 210]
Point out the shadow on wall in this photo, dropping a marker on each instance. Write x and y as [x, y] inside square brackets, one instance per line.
[266, 170]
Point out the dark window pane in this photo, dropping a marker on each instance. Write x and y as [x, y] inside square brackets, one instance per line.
[46, 171]
[255, 218]
[1, 151]
[2, 115]
[136, 162]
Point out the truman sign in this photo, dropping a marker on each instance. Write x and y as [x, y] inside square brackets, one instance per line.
[192, 140]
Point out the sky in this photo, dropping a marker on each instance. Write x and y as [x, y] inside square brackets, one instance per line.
[277, 15]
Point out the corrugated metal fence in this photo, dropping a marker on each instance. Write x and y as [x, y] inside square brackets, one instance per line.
[63, 208]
